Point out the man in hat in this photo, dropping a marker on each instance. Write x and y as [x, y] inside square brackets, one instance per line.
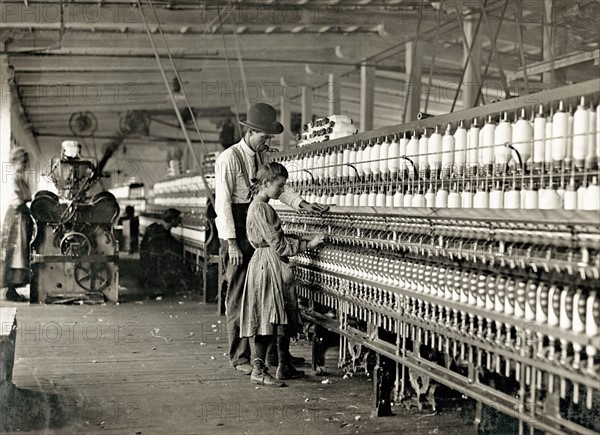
[234, 170]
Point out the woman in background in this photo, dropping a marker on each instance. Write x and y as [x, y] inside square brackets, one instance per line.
[17, 229]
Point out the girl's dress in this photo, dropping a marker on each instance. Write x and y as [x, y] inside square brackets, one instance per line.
[269, 297]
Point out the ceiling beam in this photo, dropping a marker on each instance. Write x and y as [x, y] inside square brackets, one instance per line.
[257, 74]
[62, 63]
[159, 133]
[201, 18]
[108, 42]
[558, 63]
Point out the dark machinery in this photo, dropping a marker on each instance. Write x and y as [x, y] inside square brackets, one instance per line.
[74, 252]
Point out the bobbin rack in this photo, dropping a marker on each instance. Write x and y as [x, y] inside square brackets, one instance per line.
[470, 261]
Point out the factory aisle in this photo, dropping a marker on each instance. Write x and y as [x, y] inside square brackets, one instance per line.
[159, 366]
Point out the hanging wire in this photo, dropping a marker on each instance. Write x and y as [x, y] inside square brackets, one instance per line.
[494, 49]
[187, 102]
[430, 79]
[391, 51]
[487, 65]
[240, 61]
[177, 113]
[237, 115]
[412, 68]
[241, 65]
[470, 48]
[521, 49]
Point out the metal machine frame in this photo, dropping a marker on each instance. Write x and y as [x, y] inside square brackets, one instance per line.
[461, 297]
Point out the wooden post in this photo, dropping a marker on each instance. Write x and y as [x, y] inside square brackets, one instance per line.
[413, 56]
[471, 80]
[285, 119]
[383, 385]
[5, 133]
[547, 44]
[307, 100]
[333, 97]
[553, 41]
[367, 96]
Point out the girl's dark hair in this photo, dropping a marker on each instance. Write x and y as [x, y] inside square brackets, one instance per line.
[170, 215]
[268, 172]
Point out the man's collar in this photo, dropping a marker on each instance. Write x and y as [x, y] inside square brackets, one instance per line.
[247, 148]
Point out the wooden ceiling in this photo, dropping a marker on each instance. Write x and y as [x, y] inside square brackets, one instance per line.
[96, 56]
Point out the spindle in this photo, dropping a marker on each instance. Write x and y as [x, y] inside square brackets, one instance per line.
[393, 157]
[522, 141]
[375, 158]
[502, 137]
[591, 159]
[591, 198]
[539, 139]
[448, 148]
[560, 131]
[434, 149]
[473, 147]
[488, 141]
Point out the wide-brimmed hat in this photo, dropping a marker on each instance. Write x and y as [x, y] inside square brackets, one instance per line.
[262, 117]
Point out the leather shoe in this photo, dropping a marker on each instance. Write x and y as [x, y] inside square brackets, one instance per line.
[296, 360]
[244, 368]
[288, 372]
[264, 378]
[13, 296]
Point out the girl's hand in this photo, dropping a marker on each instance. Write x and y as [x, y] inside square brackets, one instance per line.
[313, 207]
[318, 208]
[317, 240]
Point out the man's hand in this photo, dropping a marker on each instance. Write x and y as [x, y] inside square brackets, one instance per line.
[234, 252]
[314, 207]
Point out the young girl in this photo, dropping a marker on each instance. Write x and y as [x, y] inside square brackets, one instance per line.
[269, 306]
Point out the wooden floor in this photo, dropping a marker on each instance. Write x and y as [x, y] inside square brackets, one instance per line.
[149, 366]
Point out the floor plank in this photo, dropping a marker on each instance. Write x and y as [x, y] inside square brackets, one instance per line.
[149, 367]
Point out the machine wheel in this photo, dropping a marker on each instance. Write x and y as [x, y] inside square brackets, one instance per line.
[75, 244]
[92, 276]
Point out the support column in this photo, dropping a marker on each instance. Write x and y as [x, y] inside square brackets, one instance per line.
[413, 57]
[307, 104]
[553, 40]
[367, 96]
[473, 71]
[5, 131]
[285, 119]
[334, 95]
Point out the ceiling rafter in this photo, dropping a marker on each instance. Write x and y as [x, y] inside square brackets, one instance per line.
[103, 45]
